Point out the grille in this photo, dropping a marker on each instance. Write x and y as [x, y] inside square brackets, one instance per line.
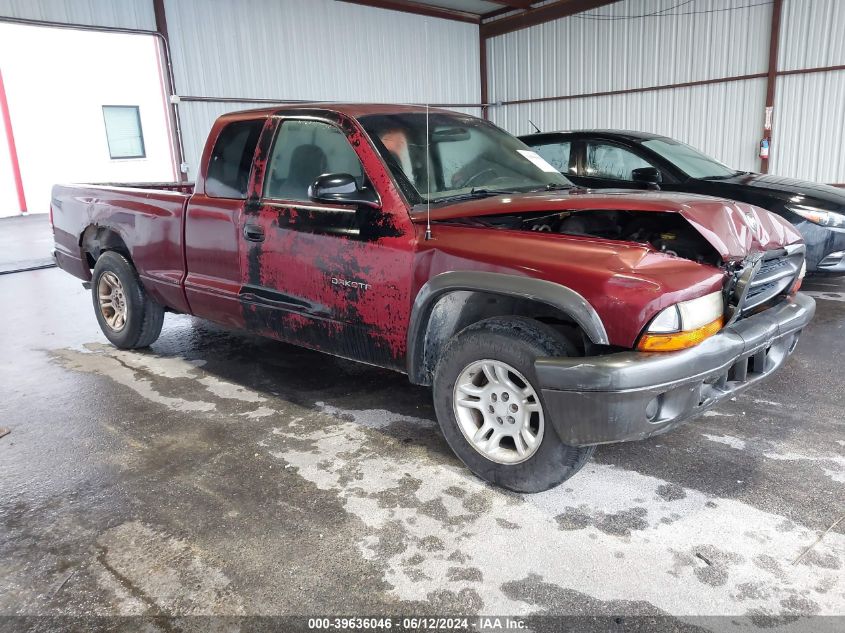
[763, 279]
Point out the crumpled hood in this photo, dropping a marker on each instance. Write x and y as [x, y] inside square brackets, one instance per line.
[734, 229]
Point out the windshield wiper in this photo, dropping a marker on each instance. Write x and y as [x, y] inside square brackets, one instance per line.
[475, 194]
[736, 173]
[553, 186]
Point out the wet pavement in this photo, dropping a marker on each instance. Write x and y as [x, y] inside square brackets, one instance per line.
[26, 242]
[223, 474]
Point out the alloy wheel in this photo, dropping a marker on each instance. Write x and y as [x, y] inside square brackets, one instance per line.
[498, 411]
[112, 301]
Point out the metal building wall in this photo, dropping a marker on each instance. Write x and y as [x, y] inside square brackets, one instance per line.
[716, 118]
[809, 114]
[312, 49]
[126, 14]
[581, 55]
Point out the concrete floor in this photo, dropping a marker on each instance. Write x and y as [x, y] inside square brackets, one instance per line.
[219, 473]
[26, 241]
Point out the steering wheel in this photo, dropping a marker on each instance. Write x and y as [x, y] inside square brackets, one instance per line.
[469, 181]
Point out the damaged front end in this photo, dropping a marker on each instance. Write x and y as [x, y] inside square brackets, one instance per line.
[760, 256]
[763, 278]
[699, 296]
[667, 233]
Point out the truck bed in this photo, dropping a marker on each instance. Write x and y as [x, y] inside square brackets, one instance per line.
[147, 218]
[177, 187]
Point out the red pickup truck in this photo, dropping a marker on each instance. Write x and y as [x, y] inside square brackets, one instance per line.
[547, 318]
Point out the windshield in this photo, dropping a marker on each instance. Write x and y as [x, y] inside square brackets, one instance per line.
[466, 156]
[688, 159]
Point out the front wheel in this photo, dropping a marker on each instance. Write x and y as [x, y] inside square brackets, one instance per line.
[492, 412]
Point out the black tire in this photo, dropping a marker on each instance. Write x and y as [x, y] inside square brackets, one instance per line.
[518, 342]
[144, 317]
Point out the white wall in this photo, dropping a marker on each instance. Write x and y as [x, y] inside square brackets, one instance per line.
[8, 197]
[313, 50]
[579, 55]
[57, 81]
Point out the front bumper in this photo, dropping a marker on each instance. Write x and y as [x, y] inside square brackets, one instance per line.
[833, 263]
[825, 248]
[634, 395]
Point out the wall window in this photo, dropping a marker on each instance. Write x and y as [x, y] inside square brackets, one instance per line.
[231, 160]
[123, 131]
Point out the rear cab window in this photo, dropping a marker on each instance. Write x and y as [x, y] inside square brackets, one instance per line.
[231, 160]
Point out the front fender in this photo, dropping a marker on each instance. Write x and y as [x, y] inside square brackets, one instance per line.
[555, 295]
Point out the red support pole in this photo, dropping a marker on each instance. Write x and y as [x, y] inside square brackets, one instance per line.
[482, 63]
[13, 150]
[772, 75]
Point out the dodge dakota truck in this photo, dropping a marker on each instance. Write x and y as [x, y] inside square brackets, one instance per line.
[548, 319]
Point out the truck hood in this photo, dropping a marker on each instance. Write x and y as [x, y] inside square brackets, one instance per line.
[734, 229]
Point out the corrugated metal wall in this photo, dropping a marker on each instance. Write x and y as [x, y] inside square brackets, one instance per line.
[581, 54]
[313, 49]
[126, 14]
[809, 115]
[716, 118]
[809, 127]
[327, 50]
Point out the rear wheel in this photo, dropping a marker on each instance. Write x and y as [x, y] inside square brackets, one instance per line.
[491, 410]
[127, 315]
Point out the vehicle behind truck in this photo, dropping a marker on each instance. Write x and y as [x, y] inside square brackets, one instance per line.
[546, 318]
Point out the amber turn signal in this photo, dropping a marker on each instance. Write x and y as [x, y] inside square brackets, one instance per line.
[679, 340]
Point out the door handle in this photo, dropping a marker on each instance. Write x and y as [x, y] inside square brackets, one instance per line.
[253, 233]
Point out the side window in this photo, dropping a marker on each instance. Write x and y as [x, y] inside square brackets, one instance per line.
[231, 160]
[605, 160]
[557, 155]
[304, 150]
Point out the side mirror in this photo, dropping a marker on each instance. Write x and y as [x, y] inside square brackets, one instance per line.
[648, 175]
[341, 189]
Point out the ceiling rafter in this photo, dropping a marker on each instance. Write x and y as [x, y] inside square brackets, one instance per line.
[539, 15]
[420, 8]
[514, 4]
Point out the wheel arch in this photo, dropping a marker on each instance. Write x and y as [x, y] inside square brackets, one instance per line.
[451, 301]
[96, 240]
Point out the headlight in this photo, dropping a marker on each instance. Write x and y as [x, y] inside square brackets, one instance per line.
[684, 324]
[830, 219]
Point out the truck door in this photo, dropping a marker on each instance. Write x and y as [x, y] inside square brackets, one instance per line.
[332, 277]
[212, 223]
